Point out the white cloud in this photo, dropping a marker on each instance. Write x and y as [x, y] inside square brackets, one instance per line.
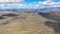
[37, 5]
[49, 0]
[15, 5]
[47, 3]
[11, 0]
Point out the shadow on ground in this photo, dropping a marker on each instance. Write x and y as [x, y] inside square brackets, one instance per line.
[49, 24]
[48, 15]
[55, 26]
[10, 15]
[5, 19]
[1, 17]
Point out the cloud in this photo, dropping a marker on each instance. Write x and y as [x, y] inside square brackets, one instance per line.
[11, 0]
[12, 6]
[48, 3]
[45, 4]
[49, 0]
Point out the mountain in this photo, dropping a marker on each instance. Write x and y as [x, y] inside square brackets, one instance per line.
[29, 22]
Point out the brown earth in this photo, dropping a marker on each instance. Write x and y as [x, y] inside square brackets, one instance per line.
[25, 23]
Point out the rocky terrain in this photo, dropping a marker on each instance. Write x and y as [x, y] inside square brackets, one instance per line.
[29, 22]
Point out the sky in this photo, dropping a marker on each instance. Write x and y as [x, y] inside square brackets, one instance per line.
[32, 1]
[31, 4]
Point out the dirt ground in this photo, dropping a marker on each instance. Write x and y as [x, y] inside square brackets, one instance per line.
[25, 23]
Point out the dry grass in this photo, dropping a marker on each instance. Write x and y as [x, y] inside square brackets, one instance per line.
[26, 23]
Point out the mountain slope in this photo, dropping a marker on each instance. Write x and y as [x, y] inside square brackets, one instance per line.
[26, 23]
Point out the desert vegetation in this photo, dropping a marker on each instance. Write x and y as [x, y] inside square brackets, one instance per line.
[26, 22]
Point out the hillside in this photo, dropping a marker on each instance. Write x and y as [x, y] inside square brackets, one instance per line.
[25, 23]
[53, 15]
